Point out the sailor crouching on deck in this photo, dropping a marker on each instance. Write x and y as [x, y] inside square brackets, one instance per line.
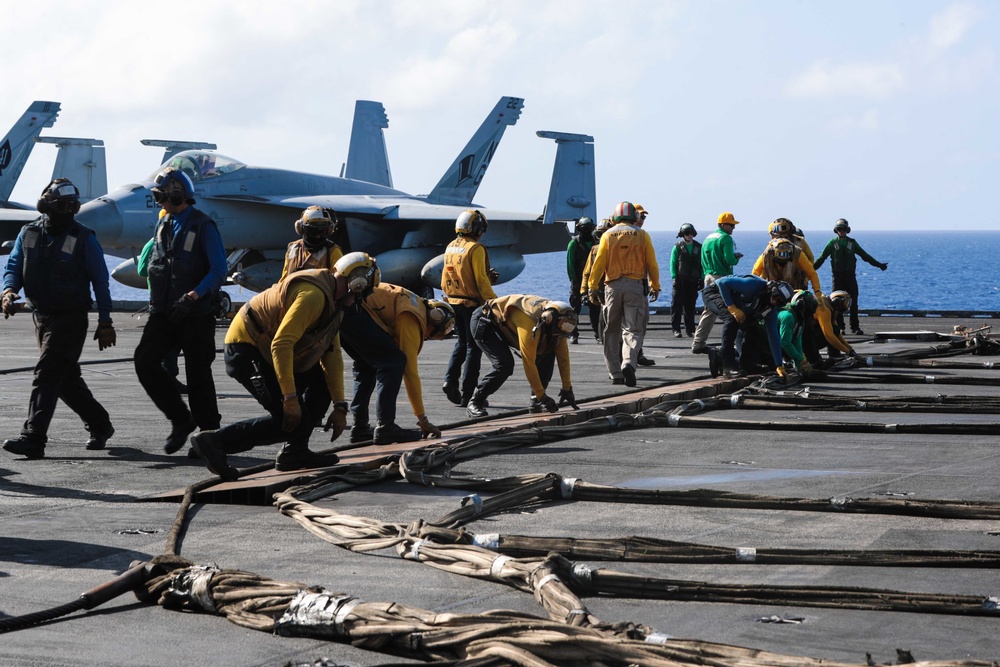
[538, 328]
[409, 320]
[282, 346]
[56, 260]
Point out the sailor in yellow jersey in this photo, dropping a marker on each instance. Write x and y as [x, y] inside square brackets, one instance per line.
[538, 328]
[316, 249]
[410, 320]
[784, 261]
[282, 346]
[783, 228]
[467, 282]
[625, 259]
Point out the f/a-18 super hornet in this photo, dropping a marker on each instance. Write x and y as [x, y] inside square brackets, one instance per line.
[254, 207]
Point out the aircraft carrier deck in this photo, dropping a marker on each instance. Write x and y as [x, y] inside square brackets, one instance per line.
[76, 518]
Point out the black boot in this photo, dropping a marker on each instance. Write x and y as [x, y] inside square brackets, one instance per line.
[301, 458]
[179, 432]
[386, 434]
[212, 451]
[477, 406]
[23, 446]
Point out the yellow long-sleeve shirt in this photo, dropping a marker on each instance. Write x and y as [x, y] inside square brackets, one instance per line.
[824, 316]
[408, 335]
[626, 251]
[304, 306]
[519, 323]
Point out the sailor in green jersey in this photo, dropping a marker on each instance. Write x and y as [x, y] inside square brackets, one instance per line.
[718, 257]
[843, 252]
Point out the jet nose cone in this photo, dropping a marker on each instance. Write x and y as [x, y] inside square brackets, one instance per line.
[103, 216]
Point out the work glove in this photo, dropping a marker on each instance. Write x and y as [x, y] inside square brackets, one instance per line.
[575, 297]
[427, 429]
[805, 367]
[595, 297]
[737, 314]
[105, 336]
[566, 397]
[8, 299]
[548, 403]
[493, 275]
[337, 421]
[883, 266]
[293, 414]
[852, 353]
[181, 308]
[782, 373]
[654, 295]
[739, 256]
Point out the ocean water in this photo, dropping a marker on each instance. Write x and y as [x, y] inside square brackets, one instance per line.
[927, 270]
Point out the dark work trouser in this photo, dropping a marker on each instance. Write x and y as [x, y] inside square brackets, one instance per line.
[466, 357]
[57, 376]
[847, 281]
[195, 336]
[494, 346]
[684, 297]
[378, 366]
[243, 362]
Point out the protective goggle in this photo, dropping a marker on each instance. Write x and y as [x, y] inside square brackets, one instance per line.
[160, 196]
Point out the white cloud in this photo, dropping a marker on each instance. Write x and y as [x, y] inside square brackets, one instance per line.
[950, 26]
[826, 79]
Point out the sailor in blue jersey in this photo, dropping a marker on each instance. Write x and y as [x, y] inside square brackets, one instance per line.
[56, 260]
[186, 269]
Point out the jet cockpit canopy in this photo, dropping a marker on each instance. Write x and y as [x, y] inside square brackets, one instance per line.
[201, 165]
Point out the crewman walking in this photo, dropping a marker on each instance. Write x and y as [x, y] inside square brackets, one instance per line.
[467, 282]
[56, 260]
[625, 259]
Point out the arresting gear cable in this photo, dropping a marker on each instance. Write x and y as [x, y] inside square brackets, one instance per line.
[572, 635]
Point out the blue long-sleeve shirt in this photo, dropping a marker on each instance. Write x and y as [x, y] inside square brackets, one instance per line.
[93, 264]
[215, 251]
[743, 292]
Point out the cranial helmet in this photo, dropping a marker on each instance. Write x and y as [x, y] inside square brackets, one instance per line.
[841, 224]
[60, 197]
[687, 228]
[315, 225]
[781, 227]
[804, 302]
[562, 315]
[624, 212]
[781, 292]
[840, 300]
[174, 186]
[360, 271]
[783, 249]
[585, 224]
[471, 222]
[441, 317]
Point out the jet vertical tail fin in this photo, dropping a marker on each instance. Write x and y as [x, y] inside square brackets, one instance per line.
[16, 146]
[367, 158]
[573, 192]
[81, 161]
[459, 184]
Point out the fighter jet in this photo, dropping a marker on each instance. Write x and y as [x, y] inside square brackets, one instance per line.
[255, 207]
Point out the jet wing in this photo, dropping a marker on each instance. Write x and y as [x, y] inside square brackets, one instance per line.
[11, 221]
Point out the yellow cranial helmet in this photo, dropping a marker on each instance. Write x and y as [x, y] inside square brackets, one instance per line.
[783, 249]
[360, 271]
[441, 317]
[840, 299]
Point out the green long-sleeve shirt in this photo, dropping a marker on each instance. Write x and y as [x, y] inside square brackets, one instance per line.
[718, 254]
[842, 252]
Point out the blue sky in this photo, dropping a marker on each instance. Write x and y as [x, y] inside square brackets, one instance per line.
[884, 113]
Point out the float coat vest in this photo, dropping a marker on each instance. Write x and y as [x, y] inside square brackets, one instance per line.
[178, 263]
[263, 314]
[688, 260]
[530, 305]
[788, 272]
[387, 302]
[300, 258]
[54, 275]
